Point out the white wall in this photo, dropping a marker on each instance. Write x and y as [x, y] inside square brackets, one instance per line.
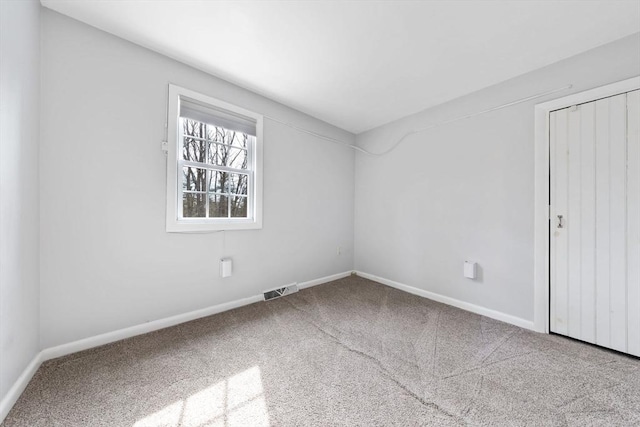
[463, 191]
[107, 262]
[19, 228]
[466, 190]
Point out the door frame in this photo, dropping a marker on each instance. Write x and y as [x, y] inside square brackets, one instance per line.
[541, 282]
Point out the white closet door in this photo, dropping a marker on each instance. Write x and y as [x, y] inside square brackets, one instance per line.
[595, 222]
[633, 222]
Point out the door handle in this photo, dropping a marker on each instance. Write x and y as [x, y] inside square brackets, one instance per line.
[560, 221]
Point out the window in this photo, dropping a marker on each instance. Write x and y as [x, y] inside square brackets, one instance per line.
[214, 164]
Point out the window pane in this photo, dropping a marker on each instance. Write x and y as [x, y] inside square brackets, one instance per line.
[216, 154]
[227, 137]
[217, 134]
[238, 139]
[218, 206]
[238, 207]
[218, 182]
[225, 155]
[194, 179]
[236, 158]
[238, 183]
[194, 205]
[194, 128]
[194, 150]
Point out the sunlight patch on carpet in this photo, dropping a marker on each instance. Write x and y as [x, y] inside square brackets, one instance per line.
[237, 401]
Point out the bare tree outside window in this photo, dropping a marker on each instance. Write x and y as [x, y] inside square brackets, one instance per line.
[219, 188]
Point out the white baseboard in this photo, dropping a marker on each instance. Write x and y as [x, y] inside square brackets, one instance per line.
[84, 344]
[310, 283]
[132, 331]
[483, 311]
[18, 387]
[325, 279]
[109, 337]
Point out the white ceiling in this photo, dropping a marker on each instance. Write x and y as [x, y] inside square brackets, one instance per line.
[360, 64]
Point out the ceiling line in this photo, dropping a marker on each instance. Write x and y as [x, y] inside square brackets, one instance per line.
[403, 137]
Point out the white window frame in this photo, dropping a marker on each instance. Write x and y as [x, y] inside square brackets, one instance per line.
[176, 224]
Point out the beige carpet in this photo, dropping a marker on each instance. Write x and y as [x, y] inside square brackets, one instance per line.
[351, 353]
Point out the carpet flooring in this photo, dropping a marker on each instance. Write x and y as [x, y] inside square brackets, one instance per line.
[349, 353]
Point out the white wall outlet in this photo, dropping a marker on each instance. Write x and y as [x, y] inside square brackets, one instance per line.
[470, 269]
[339, 250]
[226, 267]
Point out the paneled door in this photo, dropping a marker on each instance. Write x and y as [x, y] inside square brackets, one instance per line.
[595, 222]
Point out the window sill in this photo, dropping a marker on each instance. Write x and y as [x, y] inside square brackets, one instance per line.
[196, 226]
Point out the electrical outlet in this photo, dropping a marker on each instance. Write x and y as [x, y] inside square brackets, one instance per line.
[339, 250]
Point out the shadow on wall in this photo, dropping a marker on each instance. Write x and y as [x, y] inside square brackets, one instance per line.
[479, 274]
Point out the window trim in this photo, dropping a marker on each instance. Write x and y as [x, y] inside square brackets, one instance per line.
[174, 169]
